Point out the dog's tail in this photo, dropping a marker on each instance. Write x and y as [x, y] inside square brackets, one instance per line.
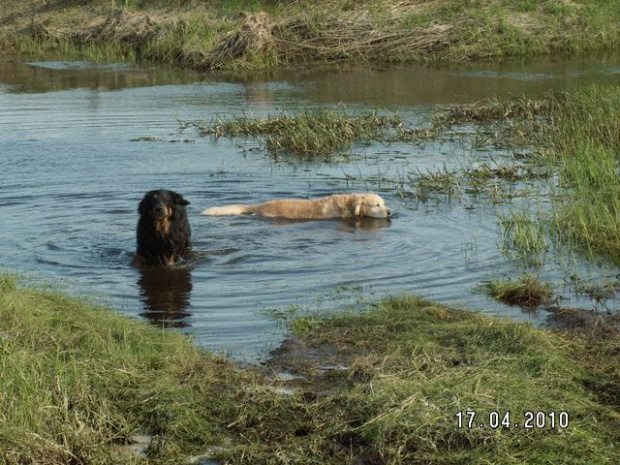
[229, 210]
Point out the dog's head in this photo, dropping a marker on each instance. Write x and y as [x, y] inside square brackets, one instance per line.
[163, 232]
[370, 205]
[161, 204]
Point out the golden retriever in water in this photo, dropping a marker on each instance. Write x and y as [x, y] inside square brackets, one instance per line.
[323, 208]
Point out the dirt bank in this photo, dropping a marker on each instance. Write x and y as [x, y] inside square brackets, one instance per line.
[267, 33]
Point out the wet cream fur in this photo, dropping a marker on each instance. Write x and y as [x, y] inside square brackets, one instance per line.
[334, 206]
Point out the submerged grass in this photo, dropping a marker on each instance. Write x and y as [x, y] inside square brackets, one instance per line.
[573, 142]
[496, 181]
[394, 384]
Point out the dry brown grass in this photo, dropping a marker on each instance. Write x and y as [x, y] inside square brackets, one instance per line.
[269, 34]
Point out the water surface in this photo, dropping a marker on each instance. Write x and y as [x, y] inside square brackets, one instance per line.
[81, 143]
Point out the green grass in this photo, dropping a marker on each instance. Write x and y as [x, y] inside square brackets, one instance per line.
[525, 291]
[79, 381]
[414, 365]
[586, 136]
[310, 134]
[571, 142]
[524, 235]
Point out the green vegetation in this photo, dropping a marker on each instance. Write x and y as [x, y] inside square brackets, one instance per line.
[569, 142]
[78, 382]
[493, 181]
[585, 131]
[526, 291]
[310, 134]
[524, 235]
[252, 34]
[414, 365]
[598, 292]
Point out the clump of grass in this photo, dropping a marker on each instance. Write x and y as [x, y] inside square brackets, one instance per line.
[310, 134]
[494, 180]
[434, 183]
[526, 291]
[524, 235]
[586, 137]
[490, 110]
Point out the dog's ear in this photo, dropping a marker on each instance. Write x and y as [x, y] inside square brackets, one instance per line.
[179, 200]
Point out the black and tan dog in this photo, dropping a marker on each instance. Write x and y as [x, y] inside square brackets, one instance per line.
[163, 233]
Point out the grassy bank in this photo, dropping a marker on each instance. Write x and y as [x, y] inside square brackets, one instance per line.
[253, 34]
[384, 386]
[78, 382]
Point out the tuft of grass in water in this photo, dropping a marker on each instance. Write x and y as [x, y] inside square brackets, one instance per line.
[598, 292]
[524, 235]
[313, 133]
[526, 291]
[431, 184]
[488, 179]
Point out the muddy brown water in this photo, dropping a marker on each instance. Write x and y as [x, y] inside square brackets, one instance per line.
[80, 144]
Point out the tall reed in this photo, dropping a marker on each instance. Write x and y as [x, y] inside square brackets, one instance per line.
[585, 129]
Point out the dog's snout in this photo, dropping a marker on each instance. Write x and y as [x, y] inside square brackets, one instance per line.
[161, 211]
[389, 212]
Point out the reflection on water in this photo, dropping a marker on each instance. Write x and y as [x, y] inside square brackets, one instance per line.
[56, 76]
[81, 144]
[166, 293]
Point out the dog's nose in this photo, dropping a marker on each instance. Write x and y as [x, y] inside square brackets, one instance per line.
[389, 212]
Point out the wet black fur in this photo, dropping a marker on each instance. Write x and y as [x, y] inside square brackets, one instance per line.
[153, 246]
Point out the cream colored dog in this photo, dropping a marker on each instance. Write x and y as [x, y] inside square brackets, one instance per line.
[323, 208]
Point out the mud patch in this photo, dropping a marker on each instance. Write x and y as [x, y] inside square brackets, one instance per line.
[314, 370]
[590, 324]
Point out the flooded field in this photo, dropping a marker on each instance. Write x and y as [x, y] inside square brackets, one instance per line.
[81, 143]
